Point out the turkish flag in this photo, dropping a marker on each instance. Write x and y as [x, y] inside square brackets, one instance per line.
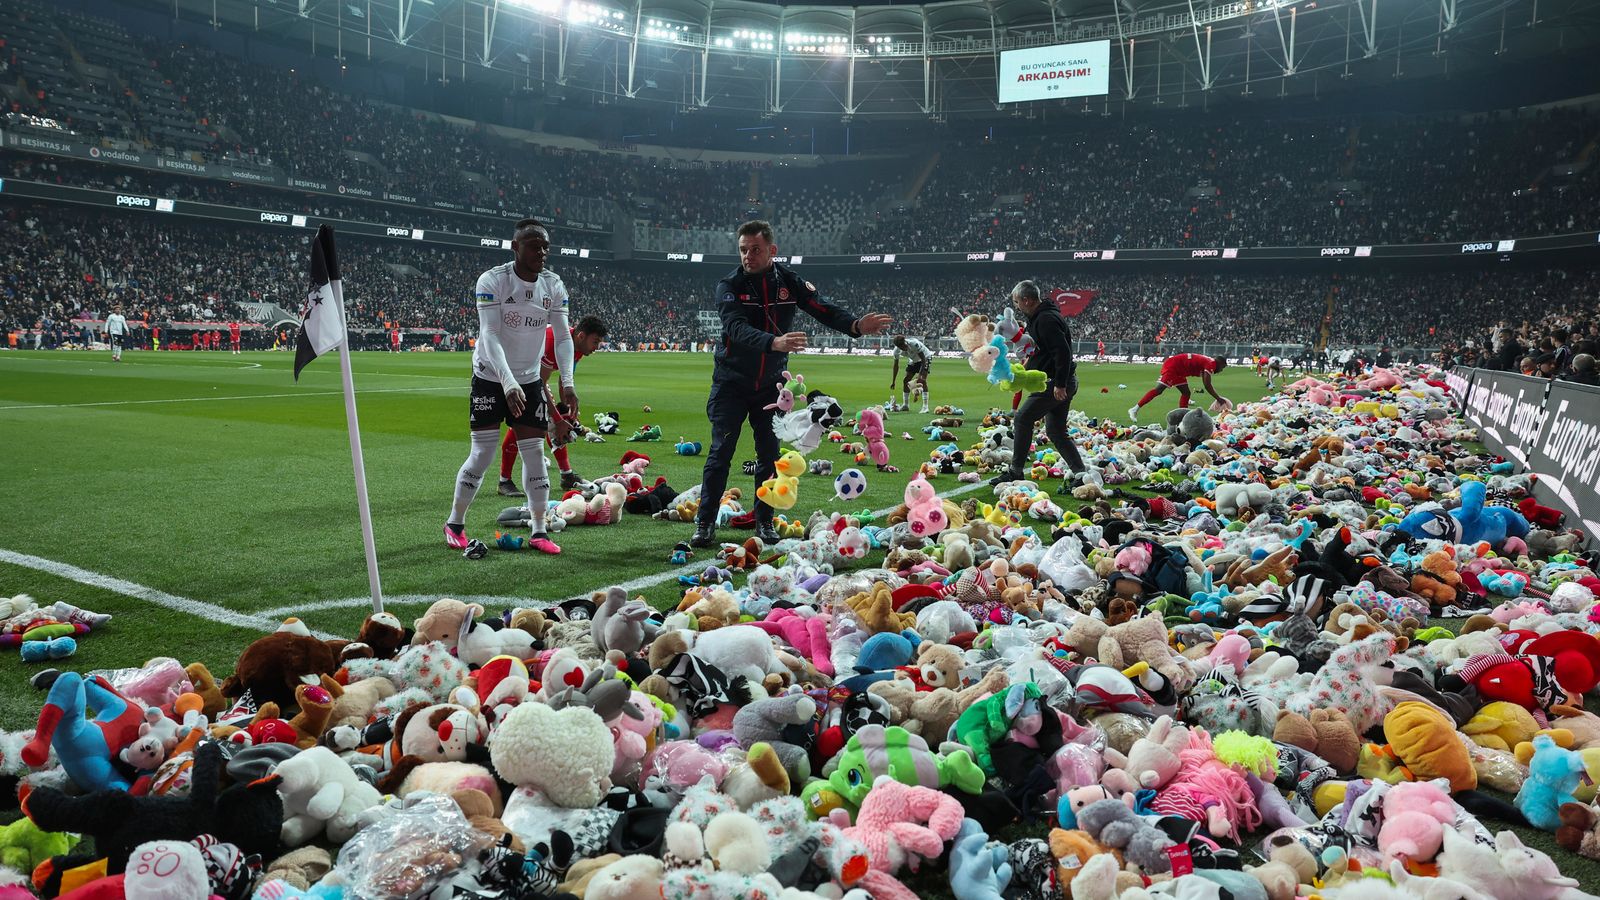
[1072, 303]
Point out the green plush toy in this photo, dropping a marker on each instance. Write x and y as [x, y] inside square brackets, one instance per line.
[23, 846]
[893, 751]
[989, 721]
[1028, 381]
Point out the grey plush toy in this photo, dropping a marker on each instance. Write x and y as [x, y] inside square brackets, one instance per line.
[1190, 426]
[621, 624]
[1112, 823]
[771, 721]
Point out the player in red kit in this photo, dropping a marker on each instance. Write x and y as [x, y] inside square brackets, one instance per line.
[394, 341]
[1176, 372]
[586, 338]
[233, 337]
[1099, 352]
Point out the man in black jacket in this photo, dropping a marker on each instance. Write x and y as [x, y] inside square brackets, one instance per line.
[1053, 357]
[757, 303]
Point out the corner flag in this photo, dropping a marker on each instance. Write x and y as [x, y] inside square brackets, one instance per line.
[322, 320]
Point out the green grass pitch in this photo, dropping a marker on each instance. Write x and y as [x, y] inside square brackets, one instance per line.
[217, 479]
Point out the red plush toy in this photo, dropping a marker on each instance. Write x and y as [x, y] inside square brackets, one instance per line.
[1541, 516]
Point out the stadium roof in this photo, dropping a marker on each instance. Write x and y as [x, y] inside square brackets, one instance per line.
[931, 60]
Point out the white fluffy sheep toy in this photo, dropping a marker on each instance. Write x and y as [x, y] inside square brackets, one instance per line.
[564, 756]
[321, 793]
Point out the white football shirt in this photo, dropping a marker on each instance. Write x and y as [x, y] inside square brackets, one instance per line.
[512, 316]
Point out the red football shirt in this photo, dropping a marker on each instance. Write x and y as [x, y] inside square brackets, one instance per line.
[233, 332]
[1187, 365]
[549, 361]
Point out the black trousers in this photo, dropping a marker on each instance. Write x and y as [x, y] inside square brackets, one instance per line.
[728, 408]
[1043, 405]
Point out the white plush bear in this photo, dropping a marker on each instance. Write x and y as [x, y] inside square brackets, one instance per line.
[321, 792]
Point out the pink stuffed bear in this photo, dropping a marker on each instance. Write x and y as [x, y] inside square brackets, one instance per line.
[872, 430]
[1415, 815]
[900, 825]
[925, 512]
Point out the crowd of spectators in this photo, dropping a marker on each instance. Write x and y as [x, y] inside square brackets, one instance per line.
[1161, 182]
[59, 265]
[1238, 183]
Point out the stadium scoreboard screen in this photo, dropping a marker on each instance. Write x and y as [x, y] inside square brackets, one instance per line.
[1051, 73]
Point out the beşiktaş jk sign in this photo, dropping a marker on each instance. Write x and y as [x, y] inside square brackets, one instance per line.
[1050, 73]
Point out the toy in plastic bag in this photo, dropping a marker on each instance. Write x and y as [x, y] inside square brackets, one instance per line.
[1063, 563]
[410, 853]
[1497, 768]
[156, 683]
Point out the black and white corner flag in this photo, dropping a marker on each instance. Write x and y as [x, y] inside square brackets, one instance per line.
[322, 320]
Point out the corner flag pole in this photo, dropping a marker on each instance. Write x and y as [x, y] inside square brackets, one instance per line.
[354, 427]
[322, 328]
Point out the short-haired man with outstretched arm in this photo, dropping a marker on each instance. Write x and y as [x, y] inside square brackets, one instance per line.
[757, 303]
[517, 301]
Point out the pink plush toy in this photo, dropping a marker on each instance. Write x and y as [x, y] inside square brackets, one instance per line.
[1134, 560]
[872, 429]
[1415, 815]
[925, 512]
[1210, 791]
[807, 634]
[1232, 650]
[634, 738]
[680, 765]
[900, 825]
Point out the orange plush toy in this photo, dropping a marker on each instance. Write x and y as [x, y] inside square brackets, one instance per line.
[1438, 579]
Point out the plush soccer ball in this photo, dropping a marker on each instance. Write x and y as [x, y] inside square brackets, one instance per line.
[849, 484]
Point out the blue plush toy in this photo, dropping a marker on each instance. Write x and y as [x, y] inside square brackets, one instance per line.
[1001, 370]
[1553, 775]
[1486, 523]
[1430, 522]
[886, 651]
[687, 448]
[979, 870]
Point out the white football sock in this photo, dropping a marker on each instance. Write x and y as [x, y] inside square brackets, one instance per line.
[471, 474]
[535, 480]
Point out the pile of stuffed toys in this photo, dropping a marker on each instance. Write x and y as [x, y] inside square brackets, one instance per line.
[1231, 683]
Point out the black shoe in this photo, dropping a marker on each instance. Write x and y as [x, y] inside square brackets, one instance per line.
[767, 534]
[508, 488]
[1004, 477]
[705, 535]
[571, 481]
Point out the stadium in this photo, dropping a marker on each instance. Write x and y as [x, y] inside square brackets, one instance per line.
[1244, 547]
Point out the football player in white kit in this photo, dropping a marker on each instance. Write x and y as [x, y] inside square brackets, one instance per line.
[516, 301]
[116, 332]
[918, 358]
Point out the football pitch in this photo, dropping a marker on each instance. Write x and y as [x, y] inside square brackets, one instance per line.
[201, 498]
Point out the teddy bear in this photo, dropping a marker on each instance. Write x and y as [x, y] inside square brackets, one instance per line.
[1437, 580]
[443, 622]
[322, 795]
[271, 667]
[875, 610]
[1326, 732]
[381, 635]
[1120, 646]
[933, 713]
[565, 756]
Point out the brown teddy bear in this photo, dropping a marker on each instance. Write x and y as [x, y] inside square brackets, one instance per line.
[442, 622]
[1120, 646]
[932, 713]
[273, 666]
[1438, 581]
[381, 637]
[875, 610]
[1327, 733]
[206, 686]
[533, 621]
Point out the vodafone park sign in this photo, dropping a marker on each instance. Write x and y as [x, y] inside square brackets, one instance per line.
[1050, 73]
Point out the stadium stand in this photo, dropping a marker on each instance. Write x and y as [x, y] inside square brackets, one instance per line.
[1167, 182]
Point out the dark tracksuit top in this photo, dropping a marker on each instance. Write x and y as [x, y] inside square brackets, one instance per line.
[755, 309]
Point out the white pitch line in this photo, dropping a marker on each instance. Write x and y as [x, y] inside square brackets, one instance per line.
[215, 399]
[197, 608]
[631, 585]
